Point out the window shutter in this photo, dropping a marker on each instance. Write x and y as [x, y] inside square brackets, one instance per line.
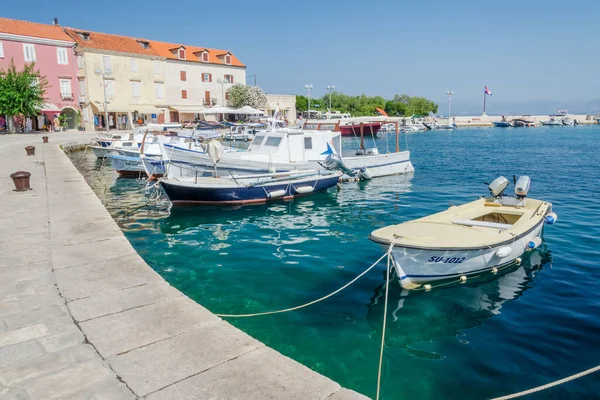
[210, 77]
[182, 75]
[230, 78]
[1, 50]
[184, 94]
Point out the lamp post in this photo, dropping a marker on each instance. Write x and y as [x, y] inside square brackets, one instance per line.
[449, 93]
[104, 74]
[308, 88]
[330, 89]
[222, 82]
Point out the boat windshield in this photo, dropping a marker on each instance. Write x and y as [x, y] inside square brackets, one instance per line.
[258, 140]
[273, 141]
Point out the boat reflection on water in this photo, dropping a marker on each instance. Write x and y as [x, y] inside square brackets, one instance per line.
[416, 317]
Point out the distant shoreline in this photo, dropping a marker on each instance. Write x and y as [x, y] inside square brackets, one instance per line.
[488, 120]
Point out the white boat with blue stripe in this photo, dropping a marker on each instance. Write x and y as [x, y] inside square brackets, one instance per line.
[479, 237]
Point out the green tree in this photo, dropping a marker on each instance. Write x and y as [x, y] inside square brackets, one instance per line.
[22, 94]
[243, 95]
[301, 103]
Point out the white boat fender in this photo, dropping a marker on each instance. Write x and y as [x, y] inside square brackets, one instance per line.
[463, 279]
[427, 287]
[550, 218]
[304, 189]
[494, 270]
[504, 251]
[364, 173]
[534, 243]
[276, 193]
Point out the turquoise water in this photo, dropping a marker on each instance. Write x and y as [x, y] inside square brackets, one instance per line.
[526, 327]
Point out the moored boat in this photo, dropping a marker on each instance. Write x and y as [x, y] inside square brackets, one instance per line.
[127, 166]
[474, 238]
[502, 124]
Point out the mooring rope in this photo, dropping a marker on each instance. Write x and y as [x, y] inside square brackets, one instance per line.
[385, 304]
[549, 385]
[311, 302]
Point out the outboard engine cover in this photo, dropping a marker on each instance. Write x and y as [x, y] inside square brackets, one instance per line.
[333, 161]
[498, 186]
[522, 187]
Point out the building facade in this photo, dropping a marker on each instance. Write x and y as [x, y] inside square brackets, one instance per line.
[125, 73]
[197, 78]
[286, 104]
[51, 49]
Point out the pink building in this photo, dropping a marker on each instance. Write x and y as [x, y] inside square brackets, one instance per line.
[52, 51]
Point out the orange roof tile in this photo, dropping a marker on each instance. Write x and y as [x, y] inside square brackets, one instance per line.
[33, 29]
[127, 44]
[105, 41]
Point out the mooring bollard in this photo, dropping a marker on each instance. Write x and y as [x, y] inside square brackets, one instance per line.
[45, 139]
[21, 180]
[30, 150]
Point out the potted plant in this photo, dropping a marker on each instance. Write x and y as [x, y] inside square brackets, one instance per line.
[64, 121]
[78, 121]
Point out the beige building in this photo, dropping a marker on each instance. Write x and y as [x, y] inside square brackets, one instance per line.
[287, 106]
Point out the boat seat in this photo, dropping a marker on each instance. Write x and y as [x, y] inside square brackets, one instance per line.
[483, 224]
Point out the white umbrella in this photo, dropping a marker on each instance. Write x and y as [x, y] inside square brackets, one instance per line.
[249, 111]
[217, 109]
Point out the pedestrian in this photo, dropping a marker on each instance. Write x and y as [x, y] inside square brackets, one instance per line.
[56, 123]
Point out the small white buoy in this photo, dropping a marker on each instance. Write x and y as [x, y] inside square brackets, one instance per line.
[463, 279]
[518, 261]
[276, 193]
[550, 218]
[304, 189]
[504, 251]
[494, 270]
[427, 287]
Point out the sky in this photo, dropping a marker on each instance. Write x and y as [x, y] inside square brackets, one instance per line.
[528, 52]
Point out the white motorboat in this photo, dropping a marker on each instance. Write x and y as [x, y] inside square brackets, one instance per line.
[553, 121]
[240, 133]
[472, 239]
[294, 149]
[568, 121]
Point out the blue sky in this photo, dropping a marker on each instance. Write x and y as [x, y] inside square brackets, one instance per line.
[524, 51]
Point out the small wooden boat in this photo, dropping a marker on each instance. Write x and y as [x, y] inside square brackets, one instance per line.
[472, 239]
[127, 166]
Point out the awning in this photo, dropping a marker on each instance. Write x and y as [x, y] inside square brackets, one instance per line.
[187, 109]
[141, 109]
[50, 107]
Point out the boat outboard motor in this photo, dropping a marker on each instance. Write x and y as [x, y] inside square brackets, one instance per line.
[333, 161]
[498, 186]
[522, 187]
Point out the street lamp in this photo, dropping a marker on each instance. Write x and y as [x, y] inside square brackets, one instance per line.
[449, 93]
[104, 74]
[330, 89]
[308, 88]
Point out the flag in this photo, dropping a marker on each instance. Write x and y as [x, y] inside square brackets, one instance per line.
[488, 91]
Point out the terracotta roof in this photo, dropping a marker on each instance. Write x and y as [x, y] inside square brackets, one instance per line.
[194, 53]
[127, 44]
[105, 41]
[33, 29]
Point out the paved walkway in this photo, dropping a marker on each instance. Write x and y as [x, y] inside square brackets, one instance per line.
[83, 317]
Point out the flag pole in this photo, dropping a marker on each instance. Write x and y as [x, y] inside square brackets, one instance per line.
[484, 98]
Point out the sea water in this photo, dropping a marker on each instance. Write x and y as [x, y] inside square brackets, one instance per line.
[492, 336]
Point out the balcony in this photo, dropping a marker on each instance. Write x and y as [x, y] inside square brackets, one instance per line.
[81, 98]
[66, 96]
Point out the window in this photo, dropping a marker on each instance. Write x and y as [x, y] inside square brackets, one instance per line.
[106, 62]
[258, 140]
[84, 35]
[1, 50]
[307, 143]
[273, 141]
[227, 59]
[61, 55]
[82, 87]
[133, 65]
[228, 78]
[207, 97]
[159, 90]
[184, 94]
[65, 89]
[182, 75]
[181, 54]
[110, 87]
[80, 63]
[143, 43]
[226, 95]
[135, 89]
[206, 77]
[157, 67]
[29, 52]
[205, 56]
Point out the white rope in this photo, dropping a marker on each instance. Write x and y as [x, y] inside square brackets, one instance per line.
[549, 385]
[312, 302]
[385, 304]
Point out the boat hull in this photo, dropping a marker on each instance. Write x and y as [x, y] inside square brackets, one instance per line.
[100, 151]
[127, 166]
[423, 265]
[237, 195]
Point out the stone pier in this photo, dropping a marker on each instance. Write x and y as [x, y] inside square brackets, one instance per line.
[82, 316]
